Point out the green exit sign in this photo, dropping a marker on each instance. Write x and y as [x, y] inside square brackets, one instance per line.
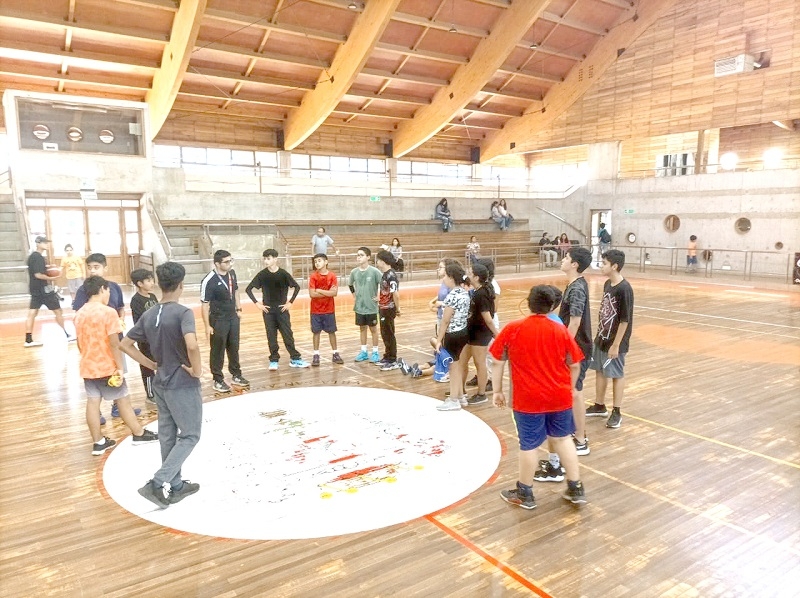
[374, 197]
[629, 211]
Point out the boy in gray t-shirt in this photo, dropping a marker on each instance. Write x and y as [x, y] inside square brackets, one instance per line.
[169, 329]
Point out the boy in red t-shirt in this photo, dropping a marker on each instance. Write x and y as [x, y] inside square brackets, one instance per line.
[545, 360]
[323, 286]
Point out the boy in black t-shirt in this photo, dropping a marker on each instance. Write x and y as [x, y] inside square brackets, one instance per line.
[614, 326]
[42, 292]
[275, 283]
[388, 309]
[144, 282]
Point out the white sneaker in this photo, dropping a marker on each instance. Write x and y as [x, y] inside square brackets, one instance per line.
[463, 400]
[71, 338]
[33, 344]
[449, 405]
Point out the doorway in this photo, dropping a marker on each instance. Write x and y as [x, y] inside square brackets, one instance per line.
[599, 216]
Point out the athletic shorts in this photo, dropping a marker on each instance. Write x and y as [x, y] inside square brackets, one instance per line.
[366, 319]
[49, 300]
[323, 323]
[611, 368]
[534, 428]
[454, 342]
[691, 260]
[480, 337]
[98, 388]
[582, 373]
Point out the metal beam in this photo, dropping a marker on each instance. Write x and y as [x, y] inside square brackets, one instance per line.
[167, 80]
[469, 79]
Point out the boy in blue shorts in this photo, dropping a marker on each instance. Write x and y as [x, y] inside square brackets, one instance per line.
[323, 286]
[544, 360]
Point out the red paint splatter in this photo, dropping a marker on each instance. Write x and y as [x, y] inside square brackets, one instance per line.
[314, 439]
[399, 436]
[359, 472]
[343, 458]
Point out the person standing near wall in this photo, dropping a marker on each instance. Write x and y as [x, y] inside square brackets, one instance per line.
[691, 255]
[219, 302]
[604, 241]
[73, 269]
[322, 243]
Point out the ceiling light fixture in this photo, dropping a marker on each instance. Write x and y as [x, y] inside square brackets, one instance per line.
[352, 6]
[453, 29]
[533, 45]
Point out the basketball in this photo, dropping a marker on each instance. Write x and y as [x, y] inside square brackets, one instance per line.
[53, 271]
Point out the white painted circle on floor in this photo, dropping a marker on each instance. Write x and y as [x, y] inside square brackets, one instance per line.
[313, 462]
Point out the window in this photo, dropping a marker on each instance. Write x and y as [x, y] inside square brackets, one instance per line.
[267, 159]
[675, 164]
[167, 156]
[193, 155]
[218, 157]
[321, 162]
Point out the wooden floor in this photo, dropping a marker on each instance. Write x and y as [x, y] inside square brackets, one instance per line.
[697, 494]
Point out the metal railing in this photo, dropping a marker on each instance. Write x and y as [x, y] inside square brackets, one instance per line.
[150, 210]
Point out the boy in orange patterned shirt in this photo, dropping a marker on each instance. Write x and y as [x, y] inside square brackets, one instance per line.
[97, 327]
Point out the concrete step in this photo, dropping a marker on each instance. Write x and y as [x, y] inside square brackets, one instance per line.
[10, 287]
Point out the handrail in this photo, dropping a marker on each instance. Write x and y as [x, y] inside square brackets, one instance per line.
[150, 209]
[569, 224]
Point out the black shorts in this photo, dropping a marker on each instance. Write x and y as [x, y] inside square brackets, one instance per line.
[366, 319]
[480, 337]
[323, 323]
[454, 342]
[49, 300]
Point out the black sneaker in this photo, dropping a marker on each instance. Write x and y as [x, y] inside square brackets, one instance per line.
[99, 449]
[187, 489]
[391, 365]
[157, 496]
[472, 381]
[221, 386]
[548, 473]
[519, 496]
[615, 419]
[477, 399]
[575, 493]
[146, 438]
[382, 362]
[582, 448]
[596, 410]
[404, 367]
[489, 386]
[240, 381]
[315, 361]
[337, 358]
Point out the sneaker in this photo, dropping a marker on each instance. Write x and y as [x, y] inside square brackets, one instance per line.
[298, 363]
[489, 387]
[381, 362]
[477, 399]
[444, 379]
[582, 448]
[520, 497]
[472, 381]
[615, 419]
[99, 449]
[596, 410]
[102, 420]
[187, 489]
[115, 411]
[415, 371]
[315, 361]
[362, 356]
[146, 438]
[221, 386]
[273, 366]
[240, 381]
[376, 357]
[157, 496]
[404, 367]
[337, 359]
[391, 365]
[464, 400]
[575, 493]
[32, 344]
[71, 338]
[548, 473]
[449, 405]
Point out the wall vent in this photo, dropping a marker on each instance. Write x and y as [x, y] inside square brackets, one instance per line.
[733, 65]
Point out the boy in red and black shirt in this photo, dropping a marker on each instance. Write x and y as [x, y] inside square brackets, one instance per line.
[545, 361]
[323, 286]
[389, 309]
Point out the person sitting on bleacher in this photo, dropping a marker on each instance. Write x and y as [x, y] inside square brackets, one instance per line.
[547, 251]
[443, 214]
[501, 220]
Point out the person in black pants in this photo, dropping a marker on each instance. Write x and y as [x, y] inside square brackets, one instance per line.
[219, 296]
[274, 283]
[389, 306]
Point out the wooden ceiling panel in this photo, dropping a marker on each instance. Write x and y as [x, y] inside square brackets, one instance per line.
[122, 46]
[571, 40]
[306, 47]
[122, 14]
[317, 15]
[429, 68]
[214, 31]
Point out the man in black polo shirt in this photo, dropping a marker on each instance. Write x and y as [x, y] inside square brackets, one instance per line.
[219, 294]
[42, 292]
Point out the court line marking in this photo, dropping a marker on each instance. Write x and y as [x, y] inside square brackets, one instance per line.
[507, 569]
[695, 511]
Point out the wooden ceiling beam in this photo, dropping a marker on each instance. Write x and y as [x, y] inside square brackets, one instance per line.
[46, 74]
[573, 23]
[174, 61]
[274, 56]
[41, 52]
[237, 100]
[274, 81]
[334, 82]
[31, 20]
[305, 32]
[562, 96]
[469, 79]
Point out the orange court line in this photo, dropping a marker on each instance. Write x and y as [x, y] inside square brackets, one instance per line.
[488, 557]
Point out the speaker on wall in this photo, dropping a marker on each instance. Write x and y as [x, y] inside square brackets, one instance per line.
[279, 139]
[388, 149]
[475, 155]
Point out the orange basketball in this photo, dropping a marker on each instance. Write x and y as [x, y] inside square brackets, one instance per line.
[53, 271]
